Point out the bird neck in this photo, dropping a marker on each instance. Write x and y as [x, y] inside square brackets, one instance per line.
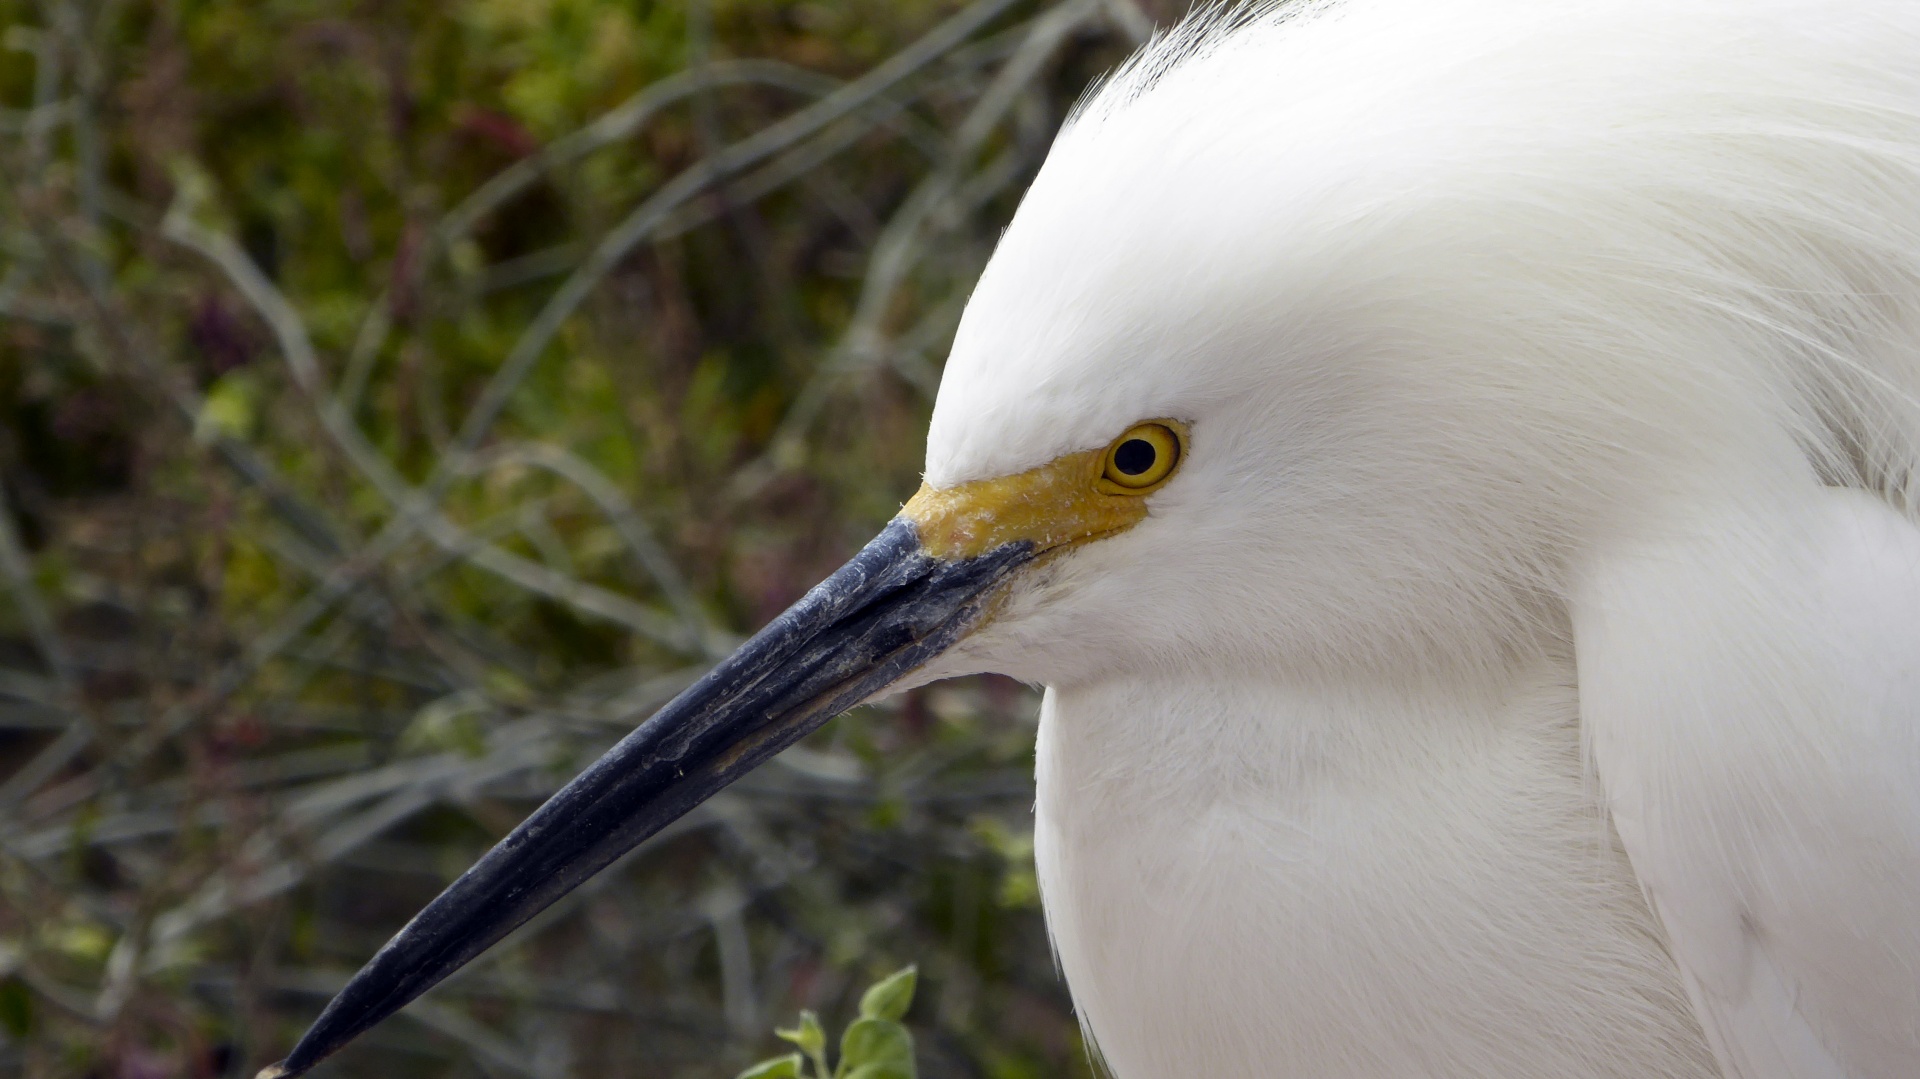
[1373, 877]
[1197, 737]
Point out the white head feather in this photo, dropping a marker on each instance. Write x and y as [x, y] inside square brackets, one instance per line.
[1445, 289]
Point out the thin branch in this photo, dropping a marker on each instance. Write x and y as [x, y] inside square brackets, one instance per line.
[903, 243]
[17, 570]
[414, 511]
[615, 126]
[640, 223]
[619, 512]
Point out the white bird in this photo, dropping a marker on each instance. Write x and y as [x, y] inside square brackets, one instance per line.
[1451, 463]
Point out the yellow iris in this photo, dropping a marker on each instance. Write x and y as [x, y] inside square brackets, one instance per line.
[1141, 459]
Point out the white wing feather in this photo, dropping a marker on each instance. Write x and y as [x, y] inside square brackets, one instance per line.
[1750, 689]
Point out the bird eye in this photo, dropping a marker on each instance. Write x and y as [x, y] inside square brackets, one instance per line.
[1141, 459]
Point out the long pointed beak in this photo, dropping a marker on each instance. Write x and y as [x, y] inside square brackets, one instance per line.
[885, 613]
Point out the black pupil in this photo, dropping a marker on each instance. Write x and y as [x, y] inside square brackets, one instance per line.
[1134, 456]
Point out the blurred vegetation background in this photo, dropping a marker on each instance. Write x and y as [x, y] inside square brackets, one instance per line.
[398, 401]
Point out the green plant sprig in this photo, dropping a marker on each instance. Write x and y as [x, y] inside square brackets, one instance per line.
[875, 1046]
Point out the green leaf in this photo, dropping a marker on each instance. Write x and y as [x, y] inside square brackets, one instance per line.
[891, 997]
[786, 1067]
[880, 1071]
[876, 1049]
[808, 1035]
[196, 194]
[231, 408]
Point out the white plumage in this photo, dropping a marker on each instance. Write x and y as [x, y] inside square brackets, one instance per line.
[1522, 676]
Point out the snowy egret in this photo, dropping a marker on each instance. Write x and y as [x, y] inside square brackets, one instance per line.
[1451, 464]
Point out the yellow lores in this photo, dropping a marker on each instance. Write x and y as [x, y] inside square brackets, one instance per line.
[1068, 500]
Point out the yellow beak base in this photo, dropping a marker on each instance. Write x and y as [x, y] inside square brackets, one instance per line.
[1056, 505]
